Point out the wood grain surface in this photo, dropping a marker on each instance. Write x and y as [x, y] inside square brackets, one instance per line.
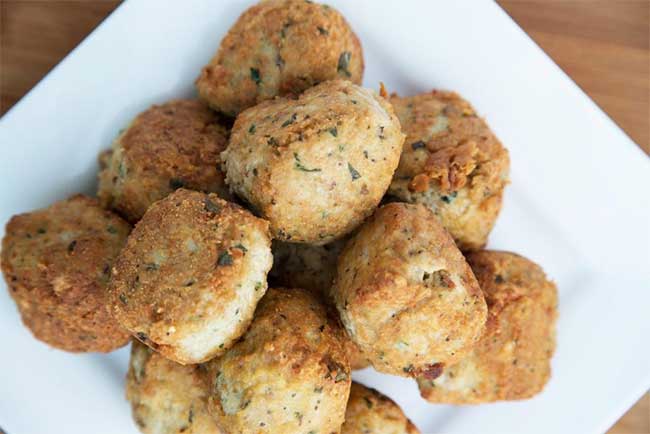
[604, 46]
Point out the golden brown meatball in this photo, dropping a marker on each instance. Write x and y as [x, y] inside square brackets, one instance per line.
[452, 163]
[56, 262]
[288, 374]
[167, 398]
[315, 167]
[512, 358]
[406, 295]
[176, 144]
[369, 411]
[191, 274]
[279, 47]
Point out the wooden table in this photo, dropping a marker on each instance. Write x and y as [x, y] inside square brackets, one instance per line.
[602, 45]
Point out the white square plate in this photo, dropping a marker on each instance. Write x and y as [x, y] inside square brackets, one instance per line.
[578, 203]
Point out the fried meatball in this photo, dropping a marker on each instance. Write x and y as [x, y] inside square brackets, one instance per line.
[452, 163]
[279, 47]
[176, 144]
[406, 295]
[288, 373]
[512, 358]
[167, 398]
[56, 262]
[191, 274]
[370, 411]
[315, 167]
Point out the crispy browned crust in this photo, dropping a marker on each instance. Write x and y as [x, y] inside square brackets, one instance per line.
[512, 359]
[288, 373]
[317, 166]
[452, 163]
[166, 397]
[370, 411]
[405, 293]
[56, 263]
[172, 145]
[183, 262]
[279, 47]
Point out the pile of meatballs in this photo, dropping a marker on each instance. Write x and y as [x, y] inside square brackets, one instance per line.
[257, 244]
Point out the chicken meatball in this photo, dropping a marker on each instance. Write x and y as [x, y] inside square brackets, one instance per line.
[512, 358]
[288, 374]
[166, 397]
[191, 274]
[279, 47]
[370, 411]
[452, 163]
[56, 262]
[317, 166]
[176, 144]
[406, 295]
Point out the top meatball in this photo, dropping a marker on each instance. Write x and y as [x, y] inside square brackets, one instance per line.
[279, 47]
[370, 411]
[288, 373]
[406, 295]
[512, 358]
[56, 262]
[190, 276]
[315, 167]
[176, 144]
[452, 163]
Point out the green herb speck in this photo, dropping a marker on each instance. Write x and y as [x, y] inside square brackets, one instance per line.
[251, 129]
[258, 286]
[353, 172]
[225, 258]
[299, 166]
[42, 230]
[418, 145]
[255, 76]
[289, 121]
[368, 401]
[211, 206]
[344, 62]
[110, 229]
[449, 198]
[322, 31]
[341, 376]
[123, 298]
[333, 131]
